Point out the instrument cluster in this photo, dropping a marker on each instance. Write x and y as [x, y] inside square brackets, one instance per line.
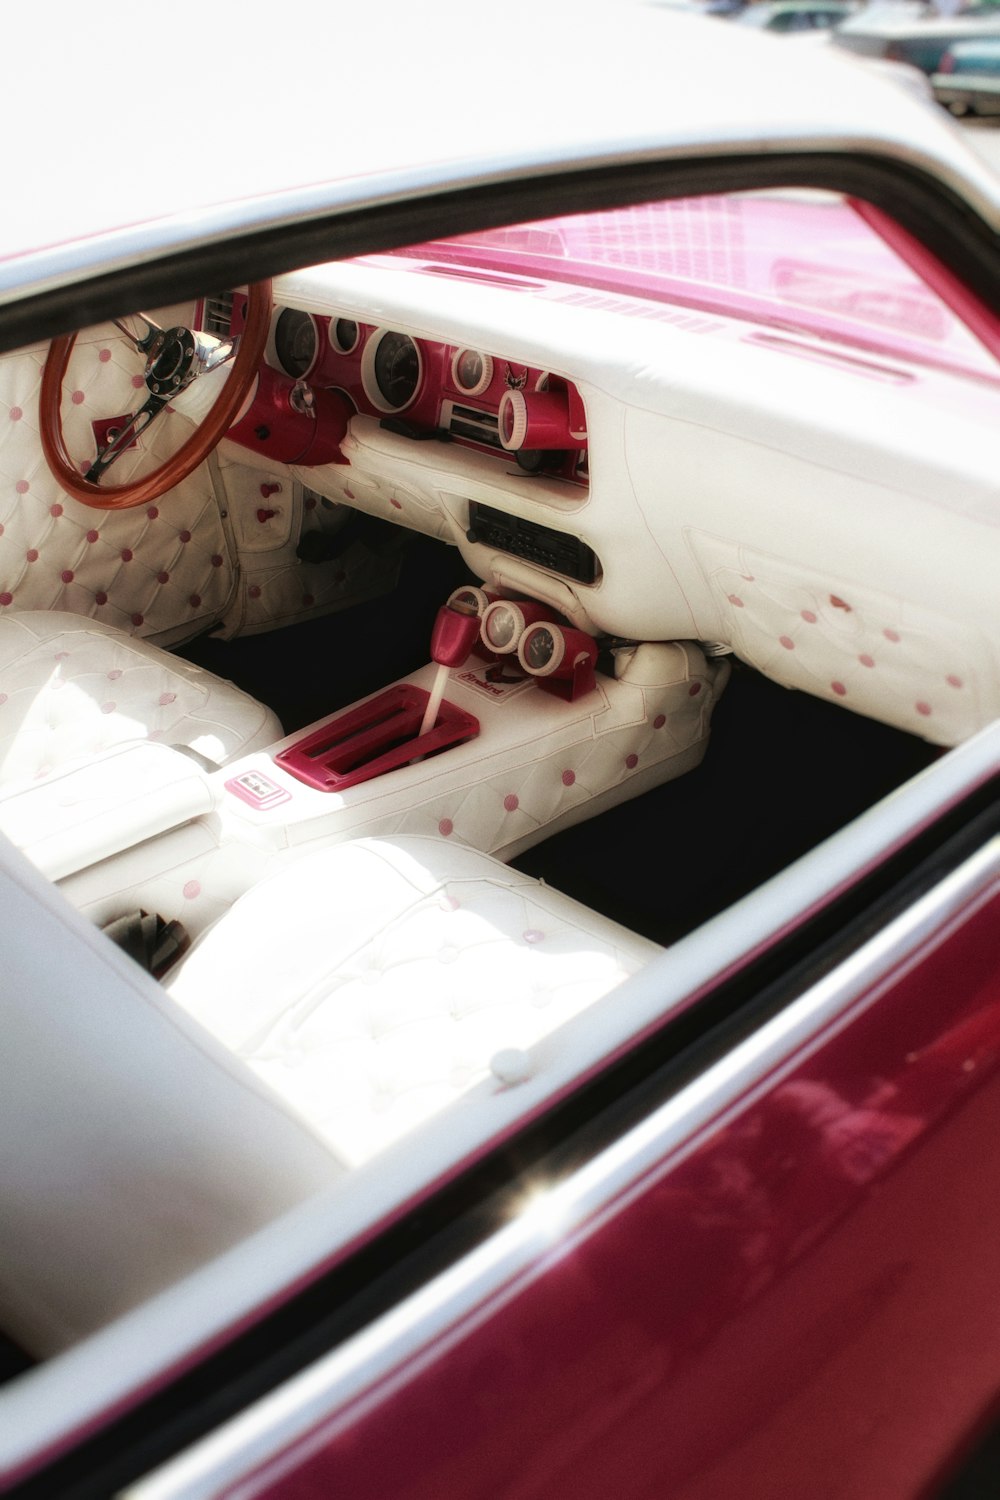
[424, 389]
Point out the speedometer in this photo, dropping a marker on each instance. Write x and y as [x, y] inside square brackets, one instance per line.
[391, 370]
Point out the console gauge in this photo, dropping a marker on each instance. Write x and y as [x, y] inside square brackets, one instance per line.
[391, 370]
[344, 335]
[296, 342]
[471, 371]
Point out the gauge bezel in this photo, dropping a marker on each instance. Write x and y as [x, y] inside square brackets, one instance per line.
[523, 613]
[557, 655]
[512, 401]
[486, 378]
[335, 344]
[368, 377]
[271, 355]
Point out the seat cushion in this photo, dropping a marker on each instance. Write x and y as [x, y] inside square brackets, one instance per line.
[372, 983]
[70, 687]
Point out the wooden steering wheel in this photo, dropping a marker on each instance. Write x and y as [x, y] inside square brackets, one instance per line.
[174, 358]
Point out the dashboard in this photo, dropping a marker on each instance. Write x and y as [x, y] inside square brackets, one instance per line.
[654, 471]
[426, 389]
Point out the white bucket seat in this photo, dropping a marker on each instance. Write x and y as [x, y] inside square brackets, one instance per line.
[71, 687]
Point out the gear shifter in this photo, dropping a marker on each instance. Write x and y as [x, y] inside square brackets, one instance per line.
[456, 631]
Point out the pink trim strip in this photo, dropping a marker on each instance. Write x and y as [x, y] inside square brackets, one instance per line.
[979, 320]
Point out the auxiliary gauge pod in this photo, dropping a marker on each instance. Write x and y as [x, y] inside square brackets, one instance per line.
[562, 658]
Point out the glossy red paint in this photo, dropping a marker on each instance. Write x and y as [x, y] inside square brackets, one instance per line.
[279, 426]
[803, 1303]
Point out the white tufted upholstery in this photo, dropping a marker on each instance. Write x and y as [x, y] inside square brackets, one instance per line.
[70, 687]
[158, 570]
[372, 983]
[133, 1148]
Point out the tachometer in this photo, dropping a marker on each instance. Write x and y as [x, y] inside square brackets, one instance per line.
[295, 342]
[391, 370]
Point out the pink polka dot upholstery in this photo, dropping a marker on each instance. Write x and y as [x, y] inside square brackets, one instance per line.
[56, 670]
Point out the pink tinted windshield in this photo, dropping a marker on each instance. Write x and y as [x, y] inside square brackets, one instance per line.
[806, 261]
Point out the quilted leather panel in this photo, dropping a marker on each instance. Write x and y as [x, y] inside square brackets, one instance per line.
[631, 735]
[70, 688]
[160, 570]
[271, 512]
[384, 488]
[881, 655]
[402, 968]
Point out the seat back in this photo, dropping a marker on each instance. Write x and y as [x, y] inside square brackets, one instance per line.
[132, 1146]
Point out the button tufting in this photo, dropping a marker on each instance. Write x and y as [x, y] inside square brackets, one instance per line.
[510, 1066]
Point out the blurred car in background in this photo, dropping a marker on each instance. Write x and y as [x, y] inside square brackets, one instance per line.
[967, 80]
[920, 41]
[793, 17]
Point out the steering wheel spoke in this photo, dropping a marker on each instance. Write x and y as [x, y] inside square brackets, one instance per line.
[132, 428]
[175, 359]
[141, 342]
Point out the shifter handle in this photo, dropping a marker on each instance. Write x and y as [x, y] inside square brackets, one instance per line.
[456, 631]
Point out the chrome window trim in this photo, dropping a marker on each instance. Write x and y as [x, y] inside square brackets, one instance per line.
[284, 1427]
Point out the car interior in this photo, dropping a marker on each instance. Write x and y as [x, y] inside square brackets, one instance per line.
[401, 659]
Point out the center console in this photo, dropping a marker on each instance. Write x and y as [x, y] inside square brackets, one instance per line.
[498, 744]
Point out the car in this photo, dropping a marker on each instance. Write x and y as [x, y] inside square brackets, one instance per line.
[920, 41]
[968, 78]
[499, 680]
[787, 17]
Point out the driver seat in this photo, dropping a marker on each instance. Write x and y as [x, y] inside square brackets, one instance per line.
[71, 687]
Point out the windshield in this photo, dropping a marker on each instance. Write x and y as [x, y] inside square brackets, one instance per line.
[799, 260]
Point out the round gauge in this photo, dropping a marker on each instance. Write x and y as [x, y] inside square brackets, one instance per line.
[539, 648]
[501, 628]
[344, 334]
[471, 371]
[295, 342]
[469, 599]
[512, 419]
[391, 370]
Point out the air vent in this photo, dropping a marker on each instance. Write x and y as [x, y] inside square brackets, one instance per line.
[217, 313]
[634, 307]
[467, 422]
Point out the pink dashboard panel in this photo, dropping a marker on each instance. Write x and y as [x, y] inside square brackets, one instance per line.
[423, 389]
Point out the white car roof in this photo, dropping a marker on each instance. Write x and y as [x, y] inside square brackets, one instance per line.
[147, 129]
